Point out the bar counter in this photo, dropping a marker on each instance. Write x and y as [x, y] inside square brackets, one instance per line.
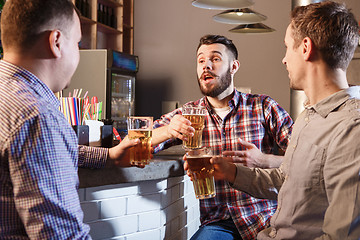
[165, 164]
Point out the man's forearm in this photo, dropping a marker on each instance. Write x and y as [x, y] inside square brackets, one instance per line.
[159, 135]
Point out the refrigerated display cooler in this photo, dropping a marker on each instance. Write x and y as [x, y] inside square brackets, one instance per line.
[110, 76]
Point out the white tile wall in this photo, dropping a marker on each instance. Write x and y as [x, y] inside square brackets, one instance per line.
[159, 209]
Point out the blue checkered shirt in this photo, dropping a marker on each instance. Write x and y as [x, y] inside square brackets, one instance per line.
[38, 162]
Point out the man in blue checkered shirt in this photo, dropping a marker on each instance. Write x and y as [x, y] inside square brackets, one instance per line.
[257, 120]
[39, 152]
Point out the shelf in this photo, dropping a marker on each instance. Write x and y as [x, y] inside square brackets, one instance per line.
[85, 20]
[106, 29]
[110, 3]
[96, 35]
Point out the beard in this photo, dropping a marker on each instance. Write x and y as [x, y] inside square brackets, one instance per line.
[223, 83]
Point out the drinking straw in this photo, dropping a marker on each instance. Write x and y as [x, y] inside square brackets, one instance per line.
[93, 108]
[67, 110]
[72, 111]
[86, 114]
[79, 94]
[100, 110]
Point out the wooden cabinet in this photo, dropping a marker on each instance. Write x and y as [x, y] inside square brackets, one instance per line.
[107, 24]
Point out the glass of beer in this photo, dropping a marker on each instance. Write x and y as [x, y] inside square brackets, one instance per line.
[201, 172]
[141, 128]
[196, 115]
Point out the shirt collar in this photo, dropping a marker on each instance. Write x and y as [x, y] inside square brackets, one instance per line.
[232, 103]
[12, 71]
[327, 105]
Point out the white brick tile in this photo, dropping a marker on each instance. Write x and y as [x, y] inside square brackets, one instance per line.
[116, 227]
[147, 235]
[165, 231]
[111, 191]
[91, 211]
[163, 219]
[154, 186]
[118, 238]
[188, 185]
[143, 203]
[166, 198]
[174, 181]
[190, 200]
[114, 207]
[174, 225]
[81, 193]
[184, 235]
[192, 227]
[176, 236]
[182, 188]
[175, 192]
[149, 220]
[196, 212]
[174, 210]
[183, 219]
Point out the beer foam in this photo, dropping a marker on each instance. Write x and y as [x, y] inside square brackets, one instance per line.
[199, 156]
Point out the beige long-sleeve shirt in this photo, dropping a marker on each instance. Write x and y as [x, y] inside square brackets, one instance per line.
[318, 184]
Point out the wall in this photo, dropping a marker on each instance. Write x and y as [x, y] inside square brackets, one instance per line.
[166, 36]
[156, 210]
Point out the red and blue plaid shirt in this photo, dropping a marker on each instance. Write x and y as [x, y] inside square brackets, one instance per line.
[254, 118]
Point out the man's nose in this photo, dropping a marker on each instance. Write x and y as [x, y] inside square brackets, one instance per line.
[207, 65]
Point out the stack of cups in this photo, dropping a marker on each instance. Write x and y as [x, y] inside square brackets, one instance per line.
[197, 156]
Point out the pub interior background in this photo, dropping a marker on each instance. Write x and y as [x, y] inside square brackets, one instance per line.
[158, 202]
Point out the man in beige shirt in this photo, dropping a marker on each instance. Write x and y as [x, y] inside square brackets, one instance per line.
[318, 184]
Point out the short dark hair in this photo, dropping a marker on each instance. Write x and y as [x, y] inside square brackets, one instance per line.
[332, 28]
[211, 39]
[22, 21]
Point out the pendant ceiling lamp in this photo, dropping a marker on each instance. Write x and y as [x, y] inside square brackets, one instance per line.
[239, 16]
[222, 4]
[252, 28]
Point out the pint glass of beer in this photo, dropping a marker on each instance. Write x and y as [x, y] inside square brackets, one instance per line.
[141, 128]
[196, 115]
[201, 172]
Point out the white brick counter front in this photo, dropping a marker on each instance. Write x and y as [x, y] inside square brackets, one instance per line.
[146, 210]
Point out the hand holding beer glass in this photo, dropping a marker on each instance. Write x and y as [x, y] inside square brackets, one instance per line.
[141, 128]
[201, 171]
[196, 115]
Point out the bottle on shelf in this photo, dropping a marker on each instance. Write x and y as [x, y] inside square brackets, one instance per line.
[108, 16]
[113, 19]
[87, 10]
[99, 13]
[105, 17]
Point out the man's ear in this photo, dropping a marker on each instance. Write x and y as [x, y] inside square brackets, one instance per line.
[55, 41]
[308, 48]
[235, 66]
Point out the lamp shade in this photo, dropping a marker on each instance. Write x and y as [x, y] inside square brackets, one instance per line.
[239, 16]
[252, 28]
[222, 4]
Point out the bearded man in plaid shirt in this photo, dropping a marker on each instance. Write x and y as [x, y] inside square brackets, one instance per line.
[234, 121]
